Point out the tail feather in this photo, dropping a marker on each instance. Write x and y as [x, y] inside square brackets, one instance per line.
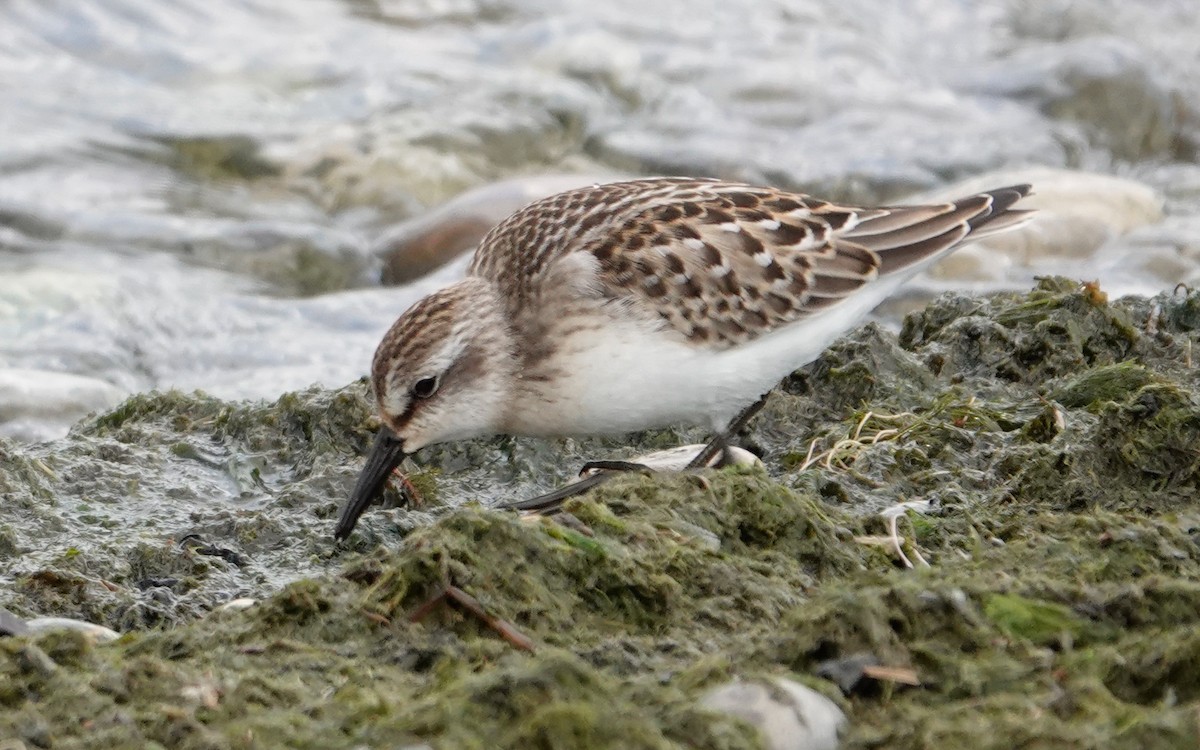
[1002, 217]
[908, 236]
[923, 223]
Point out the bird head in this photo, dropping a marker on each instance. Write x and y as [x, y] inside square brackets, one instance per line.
[443, 372]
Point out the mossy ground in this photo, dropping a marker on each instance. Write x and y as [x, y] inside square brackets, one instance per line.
[1055, 436]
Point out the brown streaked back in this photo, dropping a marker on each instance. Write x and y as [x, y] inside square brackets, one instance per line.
[723, 263]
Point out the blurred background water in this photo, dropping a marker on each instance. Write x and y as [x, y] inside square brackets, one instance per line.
[192, 194]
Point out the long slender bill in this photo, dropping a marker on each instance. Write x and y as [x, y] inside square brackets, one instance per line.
[386, 455]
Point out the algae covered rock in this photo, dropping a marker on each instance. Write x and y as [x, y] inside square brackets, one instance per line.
[994, 514]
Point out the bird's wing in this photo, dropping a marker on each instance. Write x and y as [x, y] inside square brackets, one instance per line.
[722, 262]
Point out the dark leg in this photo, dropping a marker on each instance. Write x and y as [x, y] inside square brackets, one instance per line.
[610, 465]
[551, 502]
[720, 441]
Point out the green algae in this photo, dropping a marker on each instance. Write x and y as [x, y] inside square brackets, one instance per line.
[218, 158]
[1053, 439]
[1047, 623]
[1101, 384]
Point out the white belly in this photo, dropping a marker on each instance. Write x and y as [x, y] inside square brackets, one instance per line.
[632, 380]
[626, 377]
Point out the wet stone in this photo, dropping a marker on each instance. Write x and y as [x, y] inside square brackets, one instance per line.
[788, 715]
[10, 624]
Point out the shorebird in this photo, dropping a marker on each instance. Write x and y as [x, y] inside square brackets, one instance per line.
[641, 304]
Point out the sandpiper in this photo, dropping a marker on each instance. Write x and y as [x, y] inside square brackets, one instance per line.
[641, 304]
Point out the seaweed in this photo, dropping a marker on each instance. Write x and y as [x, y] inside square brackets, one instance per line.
[1042, 452]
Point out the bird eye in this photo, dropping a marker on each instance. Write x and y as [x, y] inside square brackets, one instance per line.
[425, 387]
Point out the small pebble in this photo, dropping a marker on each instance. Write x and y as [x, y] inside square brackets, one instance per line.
[788, 715]
[846, 672]
[10, 624]
[237, 605]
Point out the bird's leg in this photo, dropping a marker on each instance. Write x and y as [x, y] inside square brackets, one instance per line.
[718, 445]
[611, 465]
[594, 473]
[720, 442]
[551, 502]
[600, 472]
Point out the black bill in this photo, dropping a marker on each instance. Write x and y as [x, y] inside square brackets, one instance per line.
[386, 455]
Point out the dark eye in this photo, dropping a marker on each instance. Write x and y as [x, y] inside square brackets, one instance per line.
[425, 387]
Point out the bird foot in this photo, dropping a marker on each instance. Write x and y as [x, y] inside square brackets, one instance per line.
[592, 467]
[595, 473]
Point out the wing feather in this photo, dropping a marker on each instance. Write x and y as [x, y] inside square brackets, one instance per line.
[723, 263]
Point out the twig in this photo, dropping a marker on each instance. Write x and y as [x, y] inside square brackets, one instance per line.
[901, 675]
[506, 630]
[453, 595]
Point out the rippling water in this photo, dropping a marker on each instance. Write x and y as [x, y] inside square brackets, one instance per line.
[188, 189]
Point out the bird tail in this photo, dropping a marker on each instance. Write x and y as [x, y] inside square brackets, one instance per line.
[905, 236]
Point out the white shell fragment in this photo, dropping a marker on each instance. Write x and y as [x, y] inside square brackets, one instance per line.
[98, 633]
[788, 715]
[237, 605]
